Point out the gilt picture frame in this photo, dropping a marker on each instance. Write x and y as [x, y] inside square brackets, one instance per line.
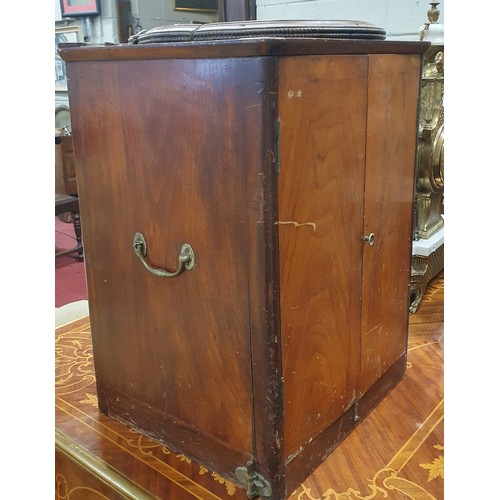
[64, 34]
[196, 5]
[75, 8]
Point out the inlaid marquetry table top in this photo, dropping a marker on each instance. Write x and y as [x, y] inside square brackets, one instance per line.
[396, 452]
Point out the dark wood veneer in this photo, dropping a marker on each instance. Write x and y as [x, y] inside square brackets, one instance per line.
[272, 158]
[238, 48]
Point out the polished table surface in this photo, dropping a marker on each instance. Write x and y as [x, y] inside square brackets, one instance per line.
[396, 453]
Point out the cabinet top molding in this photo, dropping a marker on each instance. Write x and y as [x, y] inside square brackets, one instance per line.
[255, 47]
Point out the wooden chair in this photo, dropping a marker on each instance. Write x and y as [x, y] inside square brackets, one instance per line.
[67, 203]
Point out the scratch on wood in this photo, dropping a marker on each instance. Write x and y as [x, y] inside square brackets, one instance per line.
[374, 328]
[353, 399]
[297, 224]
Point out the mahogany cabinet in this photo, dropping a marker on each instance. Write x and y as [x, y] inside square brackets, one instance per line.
[273, 178]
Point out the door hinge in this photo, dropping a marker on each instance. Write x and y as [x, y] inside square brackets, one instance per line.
[254, 483]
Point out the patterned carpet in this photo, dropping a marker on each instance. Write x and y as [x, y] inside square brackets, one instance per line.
[70, 283]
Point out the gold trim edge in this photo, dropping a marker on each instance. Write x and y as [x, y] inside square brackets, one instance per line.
[99, 468]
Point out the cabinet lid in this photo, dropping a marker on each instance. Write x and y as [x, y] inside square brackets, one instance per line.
[337, 29]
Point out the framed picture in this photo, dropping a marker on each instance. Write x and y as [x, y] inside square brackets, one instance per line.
[196, 5]
[65, 34]
[73, 8]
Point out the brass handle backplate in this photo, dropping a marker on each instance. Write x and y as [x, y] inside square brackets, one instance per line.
[187, 258]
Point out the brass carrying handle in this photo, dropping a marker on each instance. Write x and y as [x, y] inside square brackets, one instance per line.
[186, 258]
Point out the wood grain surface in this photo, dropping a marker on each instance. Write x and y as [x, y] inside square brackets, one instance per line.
[322, 168]
[347, 170]
[175, 168]
[388, 211]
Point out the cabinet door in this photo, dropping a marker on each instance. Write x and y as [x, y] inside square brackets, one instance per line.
[393, 86]
[174, 149]
[322, 110]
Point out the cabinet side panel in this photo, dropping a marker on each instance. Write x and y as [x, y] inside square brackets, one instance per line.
[393, 90]
[162, 148]
[322, 110]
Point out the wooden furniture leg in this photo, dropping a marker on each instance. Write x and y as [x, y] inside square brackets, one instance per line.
[66, 203]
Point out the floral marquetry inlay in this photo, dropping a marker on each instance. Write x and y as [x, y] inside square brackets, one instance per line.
[74, 362]
[65, 492]
[436, 468]
[91, 399]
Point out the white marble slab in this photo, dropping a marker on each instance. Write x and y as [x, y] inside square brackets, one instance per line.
[424, 247]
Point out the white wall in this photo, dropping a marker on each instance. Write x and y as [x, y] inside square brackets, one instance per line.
[401, 19]
[150, 13]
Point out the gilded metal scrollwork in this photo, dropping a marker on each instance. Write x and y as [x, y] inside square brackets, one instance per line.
[429, 188]
[430, 154]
